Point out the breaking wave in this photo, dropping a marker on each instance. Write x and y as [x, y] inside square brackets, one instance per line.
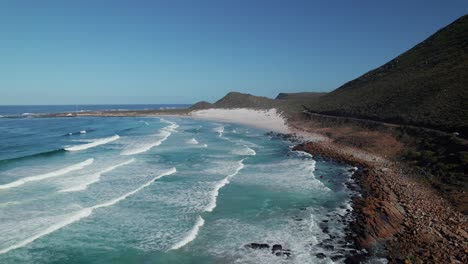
[83, 213]
[93, 144]
[56, 173]
[95, 177]
[165, 133]
[220, 184]
[191, 235]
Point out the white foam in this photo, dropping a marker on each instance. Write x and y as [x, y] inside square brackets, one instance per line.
[83, 132]
[204, 146]
[191, 235]
[56, 173]
[164, 134]
[311, 167]
[64, 222]
[118, 199]
[303, 153]
[93, 144]
[246, 151]
[251, 152]
[220, 184]
[95, 177]
[219, 130]
[83, 213]
[192, 141]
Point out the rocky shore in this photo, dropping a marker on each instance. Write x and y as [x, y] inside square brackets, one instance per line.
[397, 217]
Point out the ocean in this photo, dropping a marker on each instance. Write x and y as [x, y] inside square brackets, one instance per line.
[164, 190]
[31, 110]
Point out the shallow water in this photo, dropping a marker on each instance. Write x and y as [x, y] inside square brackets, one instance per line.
[162, 190]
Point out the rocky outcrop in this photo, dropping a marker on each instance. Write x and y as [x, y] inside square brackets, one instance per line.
[398, 217]
[276, 249]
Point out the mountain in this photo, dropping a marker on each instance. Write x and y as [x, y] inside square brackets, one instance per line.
[299, 96]
[425, 86]
[288, 102]
[241, 100]
[201, 105]
[293, 102]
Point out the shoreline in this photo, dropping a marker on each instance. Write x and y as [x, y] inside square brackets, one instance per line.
[396, 217]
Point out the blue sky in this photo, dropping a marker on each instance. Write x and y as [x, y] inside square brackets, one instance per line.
[103, 52]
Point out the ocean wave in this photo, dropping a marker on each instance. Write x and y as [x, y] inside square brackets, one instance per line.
[56, 173]
[219, 130]
[93, 144]
[95, 177]
[311, 166]
[164, 134]
[192, 141]
[29, 114]
[303, 153]
[220, 184]
[246, 151]
[83, 213]
[45, 153]
[191, 235]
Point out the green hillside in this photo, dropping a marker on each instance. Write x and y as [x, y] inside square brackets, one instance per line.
[425, 86]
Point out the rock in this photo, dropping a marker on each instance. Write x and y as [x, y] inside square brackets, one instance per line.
[329, 247]
[321, 256]
[354, 259]
[276, 247]
[336, 257]
[257, 246]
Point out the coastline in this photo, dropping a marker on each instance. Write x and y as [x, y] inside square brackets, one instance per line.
[396, 217]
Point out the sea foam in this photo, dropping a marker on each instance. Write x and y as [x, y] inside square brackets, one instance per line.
[220, 184]
[219, 130]
[164, 134]
[93, 144]
[93, 178]
[83, 213]
[192, 141]
[56, 173]
[191, 235]
[246, 151]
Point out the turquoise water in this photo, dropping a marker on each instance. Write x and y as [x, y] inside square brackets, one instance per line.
[162, 190]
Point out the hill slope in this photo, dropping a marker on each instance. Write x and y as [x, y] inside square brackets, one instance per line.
[425, 86]
[241, 100]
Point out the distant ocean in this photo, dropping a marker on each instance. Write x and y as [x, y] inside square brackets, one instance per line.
[162, 190]
[25, 110]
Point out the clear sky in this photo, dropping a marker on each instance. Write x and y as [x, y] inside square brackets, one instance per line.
[93, 52]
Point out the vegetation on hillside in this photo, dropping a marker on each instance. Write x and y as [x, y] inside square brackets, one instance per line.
[425, 86]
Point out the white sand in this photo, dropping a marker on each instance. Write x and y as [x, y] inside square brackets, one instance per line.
[265, 119]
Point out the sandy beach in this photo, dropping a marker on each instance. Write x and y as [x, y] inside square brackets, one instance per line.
[266, 119]
[385, 215]
[388, 214]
